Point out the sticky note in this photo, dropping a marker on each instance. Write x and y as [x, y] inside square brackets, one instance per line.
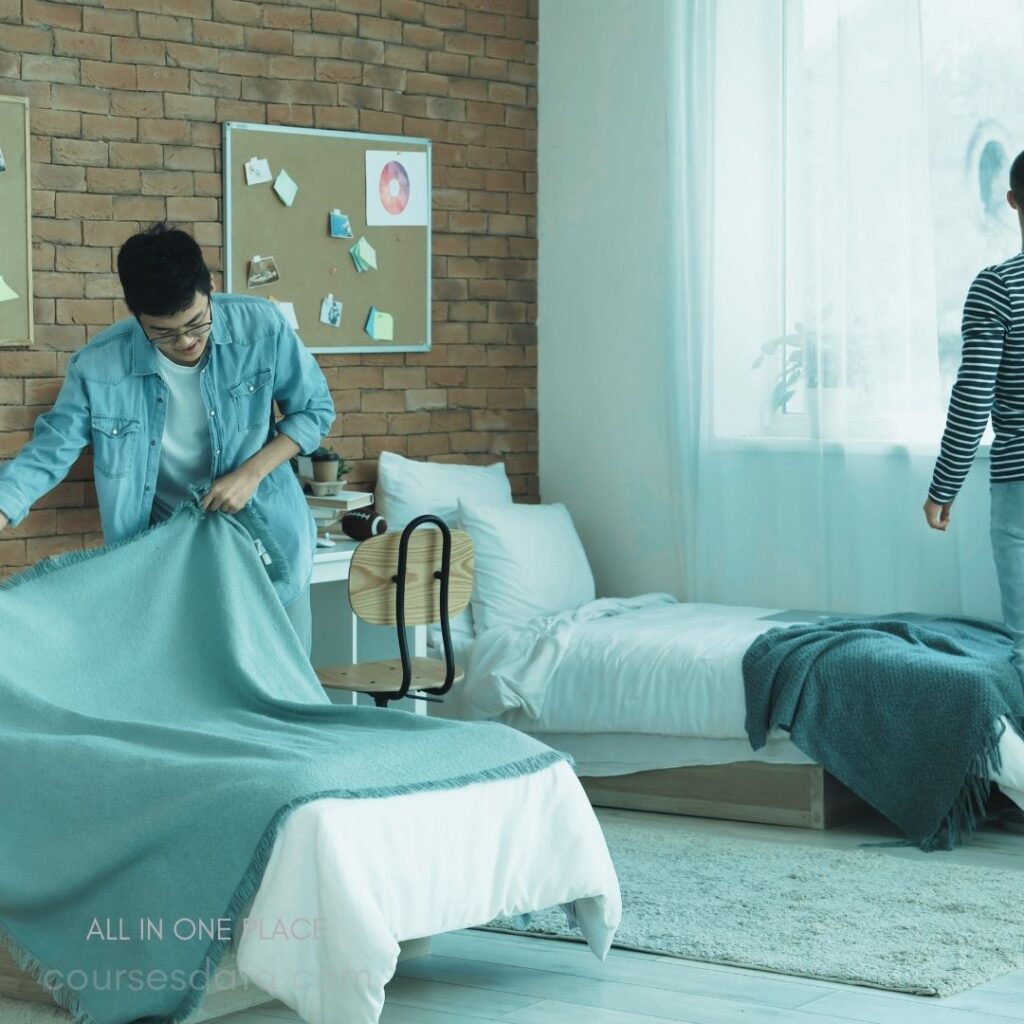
[6, 291]
[339, 225]
[380, 326]
[330, 311]
[285, 188]
[364, 255]
[257, 171]
[288, 312]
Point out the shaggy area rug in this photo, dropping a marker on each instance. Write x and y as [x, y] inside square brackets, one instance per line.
[864, 917]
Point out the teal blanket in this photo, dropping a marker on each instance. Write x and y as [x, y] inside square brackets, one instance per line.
[159, 720]
[906, 711]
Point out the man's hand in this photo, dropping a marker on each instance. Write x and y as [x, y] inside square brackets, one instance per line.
[4, 522]
[231, 492]
[936, 514]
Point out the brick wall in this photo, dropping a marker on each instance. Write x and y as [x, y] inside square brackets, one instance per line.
[127, 98]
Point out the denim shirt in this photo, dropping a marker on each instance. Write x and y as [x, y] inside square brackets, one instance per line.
[114, 399]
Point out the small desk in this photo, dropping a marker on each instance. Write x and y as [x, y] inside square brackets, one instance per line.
[339, 637]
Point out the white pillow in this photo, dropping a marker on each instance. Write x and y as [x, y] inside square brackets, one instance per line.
[407, 489]
[528, 561]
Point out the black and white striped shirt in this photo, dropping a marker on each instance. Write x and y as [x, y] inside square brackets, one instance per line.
[990, 382]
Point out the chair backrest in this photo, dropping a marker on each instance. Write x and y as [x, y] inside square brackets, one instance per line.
[372, 588]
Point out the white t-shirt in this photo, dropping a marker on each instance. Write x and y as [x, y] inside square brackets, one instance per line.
[185, 455]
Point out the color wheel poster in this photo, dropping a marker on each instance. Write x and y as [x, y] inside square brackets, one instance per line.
[397, 190]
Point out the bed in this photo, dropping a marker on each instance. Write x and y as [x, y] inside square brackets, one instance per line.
[382, 874]
[647, 697]
[529, 562]
[161, 783]
[645, 693]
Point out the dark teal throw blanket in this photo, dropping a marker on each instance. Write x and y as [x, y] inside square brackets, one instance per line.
[903, 710]
[158, 720]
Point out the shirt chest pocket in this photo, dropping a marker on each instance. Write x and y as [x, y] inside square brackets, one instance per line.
[114, 439]
[250, 398]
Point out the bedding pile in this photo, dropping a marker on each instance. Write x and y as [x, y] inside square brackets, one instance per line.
[160, 721]
[907, 711]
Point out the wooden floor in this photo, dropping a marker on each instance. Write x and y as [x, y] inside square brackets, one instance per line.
[471, 977]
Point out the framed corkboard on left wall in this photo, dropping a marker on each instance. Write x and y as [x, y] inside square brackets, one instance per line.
[15, 224]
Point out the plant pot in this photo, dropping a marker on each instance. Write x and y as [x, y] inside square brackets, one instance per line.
[830, 412]
[325, 470]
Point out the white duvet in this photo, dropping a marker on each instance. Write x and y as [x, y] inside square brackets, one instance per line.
[645, 664]
[348, 879]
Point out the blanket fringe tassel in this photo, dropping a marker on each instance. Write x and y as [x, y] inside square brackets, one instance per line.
[71, 1001]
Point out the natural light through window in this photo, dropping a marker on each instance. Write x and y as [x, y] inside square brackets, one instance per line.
[854, 212]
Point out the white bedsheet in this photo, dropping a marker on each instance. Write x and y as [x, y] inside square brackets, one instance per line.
[614, 669]
[637, 665]
[374, 872]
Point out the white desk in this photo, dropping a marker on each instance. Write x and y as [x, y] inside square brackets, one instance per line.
[339, 637]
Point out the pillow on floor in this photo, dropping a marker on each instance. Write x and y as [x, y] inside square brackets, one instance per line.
[528, 561]
[407, 489]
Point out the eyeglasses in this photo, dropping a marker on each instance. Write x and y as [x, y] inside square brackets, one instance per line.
[196, 333]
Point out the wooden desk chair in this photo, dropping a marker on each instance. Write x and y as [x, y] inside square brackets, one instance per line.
[407, 579]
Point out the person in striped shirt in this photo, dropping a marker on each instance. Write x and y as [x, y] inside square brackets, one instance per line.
[990, 382]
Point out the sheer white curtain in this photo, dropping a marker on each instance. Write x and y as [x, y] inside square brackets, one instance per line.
[806, 387]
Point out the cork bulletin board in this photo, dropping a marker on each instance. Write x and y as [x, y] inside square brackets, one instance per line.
[301, 263]
[15, 224]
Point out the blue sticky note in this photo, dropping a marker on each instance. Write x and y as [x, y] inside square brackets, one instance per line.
[339, 225]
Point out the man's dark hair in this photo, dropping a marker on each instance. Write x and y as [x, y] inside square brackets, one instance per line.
[161, 269]
[1017, 178]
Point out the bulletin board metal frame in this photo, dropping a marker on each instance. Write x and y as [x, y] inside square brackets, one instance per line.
[17, 329]
[241, 141]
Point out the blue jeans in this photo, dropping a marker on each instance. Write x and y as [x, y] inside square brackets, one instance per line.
[1007, 531]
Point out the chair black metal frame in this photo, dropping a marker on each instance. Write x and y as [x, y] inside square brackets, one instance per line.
[444, 575]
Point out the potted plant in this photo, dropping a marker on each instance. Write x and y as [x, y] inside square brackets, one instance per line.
[830, 366]
[329, 466]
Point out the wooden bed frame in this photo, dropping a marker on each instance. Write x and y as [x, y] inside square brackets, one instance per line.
[16, 984]
[801, 795]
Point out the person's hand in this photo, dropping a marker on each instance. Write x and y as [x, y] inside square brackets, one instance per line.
[231, 492]
[4, 522]
[937, 514]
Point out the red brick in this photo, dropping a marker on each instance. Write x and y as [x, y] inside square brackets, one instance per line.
[160, 79]
[139, 104]
[43, 68]
[237, 12]
[313, 44]
[293, 18]
[113, 181]
[265, 40]
[84, 311]
[210, 33]
[335, 23]
[136, 154]
[153, 26]
[37, 12]
[347, 71]
[195, 58]
[112, 23]
[139, 51]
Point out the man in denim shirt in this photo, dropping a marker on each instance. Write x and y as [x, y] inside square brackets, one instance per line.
[178, 402]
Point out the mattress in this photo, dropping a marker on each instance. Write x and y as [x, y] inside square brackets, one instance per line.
[348, 879]
[668, 669]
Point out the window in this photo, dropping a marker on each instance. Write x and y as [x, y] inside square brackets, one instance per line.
[861, 156]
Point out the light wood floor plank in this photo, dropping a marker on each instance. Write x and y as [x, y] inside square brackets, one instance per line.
[602, 995]
[637, 969]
